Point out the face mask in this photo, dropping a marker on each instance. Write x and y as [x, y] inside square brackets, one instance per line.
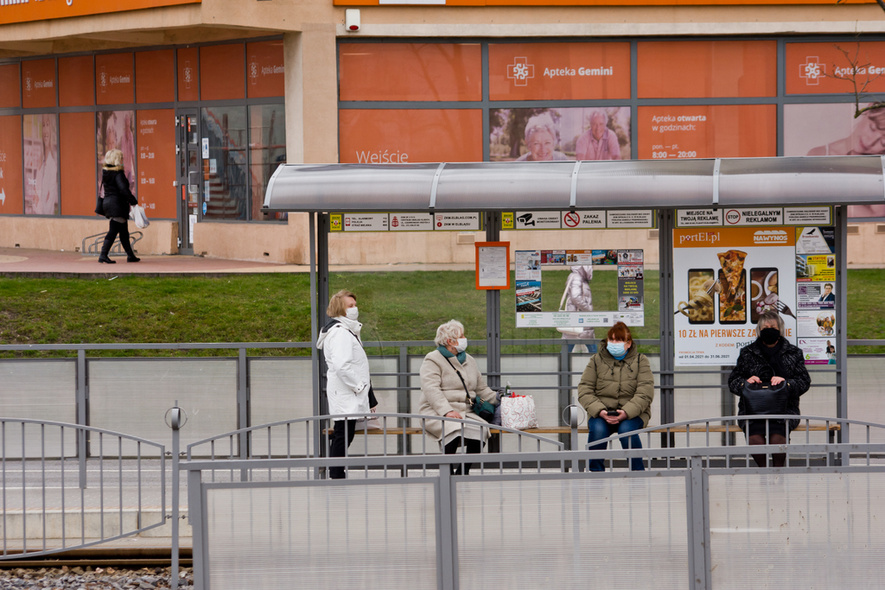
[352, 313]
[616, 348]
[770, 335]
[462, 345]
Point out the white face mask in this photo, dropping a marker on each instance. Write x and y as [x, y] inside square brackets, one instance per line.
[352, 313]
[462, 345]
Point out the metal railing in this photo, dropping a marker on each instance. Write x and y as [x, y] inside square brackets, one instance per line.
[68, 486]
[695, 517]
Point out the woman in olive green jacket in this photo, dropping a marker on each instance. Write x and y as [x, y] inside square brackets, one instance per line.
[617, 389]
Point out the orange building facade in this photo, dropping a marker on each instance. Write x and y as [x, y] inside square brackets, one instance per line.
[206, 99]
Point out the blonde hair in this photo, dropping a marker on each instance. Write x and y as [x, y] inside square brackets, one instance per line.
[113, 160]
[337, 304]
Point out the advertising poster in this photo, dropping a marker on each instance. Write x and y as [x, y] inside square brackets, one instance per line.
[545, 134]
[836, 132]
[116, 130]
[723, 279]
[41, 164]
[571, 310]
[818, 351]
[707, 131]
[156, 166]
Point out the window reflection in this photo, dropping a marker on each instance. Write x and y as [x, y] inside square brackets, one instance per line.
[267, 151]
[225, 189]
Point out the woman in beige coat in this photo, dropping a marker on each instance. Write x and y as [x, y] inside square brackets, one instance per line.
[617, 389]
[450, 380]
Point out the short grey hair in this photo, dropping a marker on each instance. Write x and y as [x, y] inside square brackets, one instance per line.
[451, 330]
[770, 317]
[542, 122]
[599, 113]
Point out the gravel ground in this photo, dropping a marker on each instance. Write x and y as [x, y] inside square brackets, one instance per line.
[65, 578]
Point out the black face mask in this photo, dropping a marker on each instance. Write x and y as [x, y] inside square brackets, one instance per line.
[769, 336]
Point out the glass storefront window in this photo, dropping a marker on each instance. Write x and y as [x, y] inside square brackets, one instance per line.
[225, 189]
[267, 150]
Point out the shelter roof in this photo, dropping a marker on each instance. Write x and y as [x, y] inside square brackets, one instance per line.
[494, 186]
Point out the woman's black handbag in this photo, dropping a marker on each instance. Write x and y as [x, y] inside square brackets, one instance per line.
[763, 398]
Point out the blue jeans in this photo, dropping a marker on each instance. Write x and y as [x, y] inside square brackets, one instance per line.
[600, 429]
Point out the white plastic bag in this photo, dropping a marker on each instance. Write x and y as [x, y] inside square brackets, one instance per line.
[373, 423]
[139, 216]
[518, 412]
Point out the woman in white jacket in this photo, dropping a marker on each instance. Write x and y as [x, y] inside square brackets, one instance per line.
[348, 385]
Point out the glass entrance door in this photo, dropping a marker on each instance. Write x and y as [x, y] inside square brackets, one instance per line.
[190, 170]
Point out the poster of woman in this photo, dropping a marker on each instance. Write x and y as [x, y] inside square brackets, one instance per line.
[116, 130]
[41, 164]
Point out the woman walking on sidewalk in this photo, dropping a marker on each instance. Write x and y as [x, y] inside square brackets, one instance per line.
[115, 205]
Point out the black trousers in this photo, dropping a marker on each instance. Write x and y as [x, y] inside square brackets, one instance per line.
[115, 228]
[470, 445]
[341, 439]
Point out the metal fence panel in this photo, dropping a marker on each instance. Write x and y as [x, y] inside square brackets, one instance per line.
[38, 390]
[133, 396]
[797, 530]
[369, 535]
[573, 532]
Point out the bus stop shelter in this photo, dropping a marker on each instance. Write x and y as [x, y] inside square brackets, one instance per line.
[664, 186]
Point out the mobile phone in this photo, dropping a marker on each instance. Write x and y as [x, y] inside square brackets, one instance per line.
[733, 298]
[763, 291]
[612, 412]
[701, 303]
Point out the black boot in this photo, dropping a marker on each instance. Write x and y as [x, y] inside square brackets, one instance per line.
[105, 248]
[132, 258]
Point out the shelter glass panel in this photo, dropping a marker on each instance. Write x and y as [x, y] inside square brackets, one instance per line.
[266, 537]
[826, 528]
[205, 389]
[553, 521]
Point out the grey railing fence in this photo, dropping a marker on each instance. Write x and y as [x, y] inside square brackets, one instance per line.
[68, 486]
[696, 517]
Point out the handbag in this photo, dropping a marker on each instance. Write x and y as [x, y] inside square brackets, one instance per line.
[480, 407]
[141, 220]
[763, 398]
[518, 412]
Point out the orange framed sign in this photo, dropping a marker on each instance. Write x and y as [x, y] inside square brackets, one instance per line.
[492, 265]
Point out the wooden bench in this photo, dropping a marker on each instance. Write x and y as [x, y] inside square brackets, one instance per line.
[831, 428]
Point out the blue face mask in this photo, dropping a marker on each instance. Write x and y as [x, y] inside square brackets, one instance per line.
[616, 349]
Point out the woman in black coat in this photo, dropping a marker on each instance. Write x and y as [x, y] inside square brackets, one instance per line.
[770, 359]
[115, 205]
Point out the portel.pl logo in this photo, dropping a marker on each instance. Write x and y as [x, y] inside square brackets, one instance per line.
[812, 70]
[520, 71]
